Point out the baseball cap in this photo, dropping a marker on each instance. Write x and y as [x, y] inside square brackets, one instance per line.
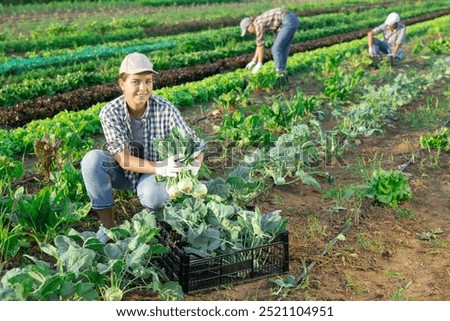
[244, 24]
[135, 63]
[392, 19]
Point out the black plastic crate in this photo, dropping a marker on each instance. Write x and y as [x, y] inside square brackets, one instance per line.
[195, 273]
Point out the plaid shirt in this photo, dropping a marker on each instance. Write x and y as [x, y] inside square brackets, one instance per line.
[392, 37]
[268, 21]
[159, 119]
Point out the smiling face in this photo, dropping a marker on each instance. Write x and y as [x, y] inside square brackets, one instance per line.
[137, 89]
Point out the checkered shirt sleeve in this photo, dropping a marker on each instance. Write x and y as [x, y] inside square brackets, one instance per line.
[268, 21]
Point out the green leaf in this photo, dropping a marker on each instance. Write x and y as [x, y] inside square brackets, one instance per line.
[138, 256]
[115, 251]
[86, 291]
[171, 291]
[340, 237]
[77, 259]
[308, 179]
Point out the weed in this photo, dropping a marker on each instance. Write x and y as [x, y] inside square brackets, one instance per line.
[402, 212]
[289, 283]
[366, 167]
[395, 275]
[368, 244]
[427, 115]
[277, 199]
[341, 196]
[439, 242]
[400, 294]
[314, 228]
[354, 286]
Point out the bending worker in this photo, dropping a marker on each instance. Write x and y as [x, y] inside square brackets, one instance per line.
[393, 36]
[280, 21]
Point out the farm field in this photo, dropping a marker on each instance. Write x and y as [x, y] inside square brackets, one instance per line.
[353, 154]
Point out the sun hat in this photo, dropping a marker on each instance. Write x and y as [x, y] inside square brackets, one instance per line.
[136, 63]
[392, 19]
[244, 24]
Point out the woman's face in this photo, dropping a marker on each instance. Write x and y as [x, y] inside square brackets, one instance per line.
[137, 89]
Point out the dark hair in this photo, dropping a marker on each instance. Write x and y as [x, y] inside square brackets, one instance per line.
[123, 76]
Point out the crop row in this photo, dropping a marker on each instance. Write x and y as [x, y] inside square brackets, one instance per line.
[133, 16]
[85, 5]
[79, 127]
[100, 69]
[117, 37]
[83, 98]
[73, 37]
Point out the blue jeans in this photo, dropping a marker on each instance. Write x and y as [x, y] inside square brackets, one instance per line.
[383, 48]
[283, 39]
[101, 174]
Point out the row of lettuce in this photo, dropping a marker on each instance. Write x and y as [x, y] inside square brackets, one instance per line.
[297, 145]
[103, 17]
[78, 127]
[88, 5]
[59, 71]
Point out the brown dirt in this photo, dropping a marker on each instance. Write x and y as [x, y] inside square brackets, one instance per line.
[383, 256]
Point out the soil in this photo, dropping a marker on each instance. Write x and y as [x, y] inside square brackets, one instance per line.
[389, 253]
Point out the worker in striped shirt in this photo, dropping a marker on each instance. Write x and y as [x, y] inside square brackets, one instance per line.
[283, 23]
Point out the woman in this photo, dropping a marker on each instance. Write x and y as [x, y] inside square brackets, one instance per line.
[280, 21]
[130, 123]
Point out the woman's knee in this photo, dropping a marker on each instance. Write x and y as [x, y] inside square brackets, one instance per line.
[153, 198]
[152, 194]
[95, 159]
[91, 160]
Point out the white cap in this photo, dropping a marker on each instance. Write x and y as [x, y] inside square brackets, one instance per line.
[392, 19]
[244, 24]
[136, 63]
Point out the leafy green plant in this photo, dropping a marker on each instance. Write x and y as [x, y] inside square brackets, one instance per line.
[244, 129]
[178, 142]
[11, 239]
[9, 170]
[281, 115]
[228, 102]
[389, 187]
[290, 159]
[438, 46]
[86, 269]
[45, 211]
[341, 84]
[440, 140]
